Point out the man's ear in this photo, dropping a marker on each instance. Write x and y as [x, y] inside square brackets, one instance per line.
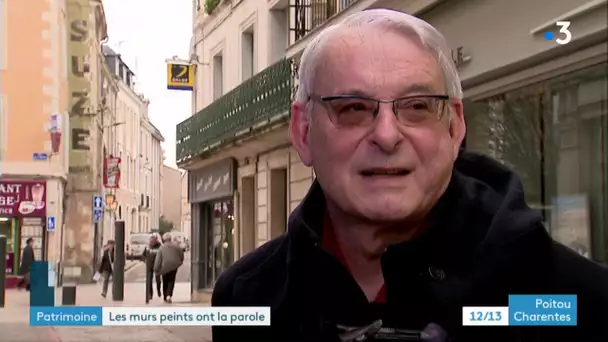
[299, 128]
[458, 126]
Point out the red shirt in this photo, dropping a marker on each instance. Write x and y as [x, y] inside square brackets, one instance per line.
[330, 244]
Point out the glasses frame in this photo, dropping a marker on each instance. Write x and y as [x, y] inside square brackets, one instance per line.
[328, 99]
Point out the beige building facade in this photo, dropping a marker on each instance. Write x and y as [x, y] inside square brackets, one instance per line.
[171, 191]
[133, 138]
[185, 220]
[547, 100]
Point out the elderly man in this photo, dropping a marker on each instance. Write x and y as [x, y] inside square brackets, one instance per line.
[168, 260]
[400, 230]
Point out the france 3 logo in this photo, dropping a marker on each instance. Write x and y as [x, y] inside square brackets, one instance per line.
[564, 35]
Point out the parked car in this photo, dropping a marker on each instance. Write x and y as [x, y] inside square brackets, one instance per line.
[136, 246]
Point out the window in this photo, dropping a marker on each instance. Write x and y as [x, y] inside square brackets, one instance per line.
[128, 172]
[3, 34]
[247, 53]
[218, 76]
[554, 134]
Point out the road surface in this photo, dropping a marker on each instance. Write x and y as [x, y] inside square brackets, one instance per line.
[14, 317]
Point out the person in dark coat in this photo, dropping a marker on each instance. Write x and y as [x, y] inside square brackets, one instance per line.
[107, 266]
[27, 259]
[401, 229]
[150, 257]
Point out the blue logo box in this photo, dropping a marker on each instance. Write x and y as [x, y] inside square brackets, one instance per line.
[66, 316]
[542, 310]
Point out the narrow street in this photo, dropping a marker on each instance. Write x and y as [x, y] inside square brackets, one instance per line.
[137, 274]
[14, 317]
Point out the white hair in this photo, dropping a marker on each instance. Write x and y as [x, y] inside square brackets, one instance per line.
[430, 38]
[166, 237]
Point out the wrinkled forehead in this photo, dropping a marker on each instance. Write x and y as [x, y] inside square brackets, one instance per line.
[376, 61]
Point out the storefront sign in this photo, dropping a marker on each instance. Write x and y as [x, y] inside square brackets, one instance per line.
[111, 173]
[459, 57]
[180, 76]
[81, 112]
[21, 198]
[212, 182]
[10, 259]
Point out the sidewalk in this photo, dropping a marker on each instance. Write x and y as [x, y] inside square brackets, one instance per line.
[14, 318]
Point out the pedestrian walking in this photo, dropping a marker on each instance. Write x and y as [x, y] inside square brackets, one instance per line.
[168, 260]
[401, 228]
[150, 254]
[27, 259]
[106, 267]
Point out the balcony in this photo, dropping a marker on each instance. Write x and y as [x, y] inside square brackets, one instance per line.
[258, 102]
[306, 15]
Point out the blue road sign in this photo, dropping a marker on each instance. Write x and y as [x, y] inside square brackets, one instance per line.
[40, 156]
[50, 223]
[98, 202]
[97, 215]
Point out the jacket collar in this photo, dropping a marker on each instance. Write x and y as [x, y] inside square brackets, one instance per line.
[306, 222]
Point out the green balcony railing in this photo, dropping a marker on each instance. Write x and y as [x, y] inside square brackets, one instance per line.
[261, 98]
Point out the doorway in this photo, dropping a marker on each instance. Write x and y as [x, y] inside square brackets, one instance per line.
[247, 226]
[221, 238]
[278, 202]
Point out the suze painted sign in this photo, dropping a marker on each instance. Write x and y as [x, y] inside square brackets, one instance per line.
[22, 198]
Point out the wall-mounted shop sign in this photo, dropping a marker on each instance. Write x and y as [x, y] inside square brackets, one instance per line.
[459, 57]
[180, 76]
[212, 182]
[22, 198]
[111, 172]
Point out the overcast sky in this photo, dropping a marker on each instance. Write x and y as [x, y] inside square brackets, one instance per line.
[146, 32]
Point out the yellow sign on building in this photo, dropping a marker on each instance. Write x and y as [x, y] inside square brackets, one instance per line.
[180, 76]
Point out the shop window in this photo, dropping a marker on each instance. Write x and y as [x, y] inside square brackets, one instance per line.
[6, 229]
[555, 136]
[221, 249]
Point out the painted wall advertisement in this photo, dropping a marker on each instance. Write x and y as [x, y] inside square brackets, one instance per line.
[81, 112]
[21, 198]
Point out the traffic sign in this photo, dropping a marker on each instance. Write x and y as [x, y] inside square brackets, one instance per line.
[97, 215]
[98, 202]
[50, 223]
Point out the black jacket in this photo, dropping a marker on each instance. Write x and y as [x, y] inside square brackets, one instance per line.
[27, 259]
[150, 255]
[484, 239]
[107, 260]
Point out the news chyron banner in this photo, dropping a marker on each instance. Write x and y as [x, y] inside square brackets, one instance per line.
[525, 310]
[148, 316]
[180, 76]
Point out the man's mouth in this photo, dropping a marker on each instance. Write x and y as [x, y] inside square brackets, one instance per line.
[385, 172]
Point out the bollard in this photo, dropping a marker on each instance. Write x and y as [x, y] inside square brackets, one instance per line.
[42, 290]
[149, 284]
[68, 294]
[118, 273]
[2, 270]
[68, 289]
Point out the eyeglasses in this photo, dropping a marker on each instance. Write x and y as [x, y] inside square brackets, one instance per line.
[356, 111]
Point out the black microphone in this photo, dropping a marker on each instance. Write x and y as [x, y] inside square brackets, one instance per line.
[376, 333]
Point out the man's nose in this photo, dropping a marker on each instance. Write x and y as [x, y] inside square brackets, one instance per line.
[385, 131]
